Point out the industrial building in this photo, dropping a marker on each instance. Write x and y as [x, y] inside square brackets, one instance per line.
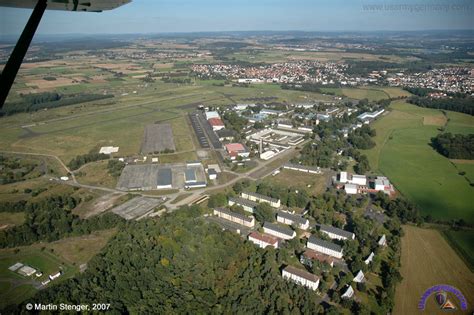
[164, 179]
[236, 149]
[190, 176]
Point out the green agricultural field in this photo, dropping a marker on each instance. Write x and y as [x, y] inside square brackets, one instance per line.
[34, 257]
[370, 94]
[463, 243]
[404, 155]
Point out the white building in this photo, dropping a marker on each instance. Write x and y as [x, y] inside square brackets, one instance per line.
[336, 233]
[349, 293]
[324, 247]
[248, 205]
[279, 231]
[289, 219]
[370, 258]
[275, 203]
[383, 241]
[302, 168]
[263, 240]
[212, 114]
[235, 217]
[346, 178]
[351, 189]
[359, 277]
[301, 277]
[55, 275]
[108, 150]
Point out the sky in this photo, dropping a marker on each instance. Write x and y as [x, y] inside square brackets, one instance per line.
[157, 16]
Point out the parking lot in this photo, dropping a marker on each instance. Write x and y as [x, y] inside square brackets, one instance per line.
[137, 207]
[198, 130]
[157, 138]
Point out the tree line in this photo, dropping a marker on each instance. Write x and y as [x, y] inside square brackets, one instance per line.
[80, 160]
[454, 146]
[34, 102]
[457, 104]
[51, 219]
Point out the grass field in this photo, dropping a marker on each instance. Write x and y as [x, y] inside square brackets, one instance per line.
[463, 243]
[428, 260]
[65, 255]
[370, 94]
[404, 155]
[96, 174]
[299, 179]
[9, 219]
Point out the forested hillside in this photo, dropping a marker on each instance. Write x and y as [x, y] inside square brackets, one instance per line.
[181, 264]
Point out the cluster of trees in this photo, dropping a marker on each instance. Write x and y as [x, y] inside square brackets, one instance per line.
[454, 146]
[288, 196]
[362, 68]
[235, 122]
[34, 102]
[115, 167]
[363, 165]
[182, 264]
[51, 219]
[80, 160]
[456, 104]
[400, 208]
[15, 170]
[361, 138]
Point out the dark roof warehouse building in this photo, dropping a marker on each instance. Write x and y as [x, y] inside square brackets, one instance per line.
[164, 179]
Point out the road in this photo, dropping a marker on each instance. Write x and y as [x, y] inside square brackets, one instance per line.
[260, 171]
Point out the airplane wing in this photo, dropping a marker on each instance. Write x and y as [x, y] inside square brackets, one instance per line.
[39, 6]
[68, 5]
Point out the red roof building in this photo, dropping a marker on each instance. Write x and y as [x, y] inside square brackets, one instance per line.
[216, 123]
[236, 149]
[263, 240]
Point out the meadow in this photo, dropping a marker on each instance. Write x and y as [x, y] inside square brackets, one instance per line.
[421, 174]
[428, 260]
[66, 255]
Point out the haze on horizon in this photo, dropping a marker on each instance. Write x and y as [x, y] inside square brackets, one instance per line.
[162, 16]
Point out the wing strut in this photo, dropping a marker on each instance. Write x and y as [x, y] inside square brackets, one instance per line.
[16, 58]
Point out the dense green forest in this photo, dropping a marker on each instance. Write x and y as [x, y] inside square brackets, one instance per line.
[361, 138]
[456, 146]
[181, 264]
[456, 104]
[35, 102]
[51, 219]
